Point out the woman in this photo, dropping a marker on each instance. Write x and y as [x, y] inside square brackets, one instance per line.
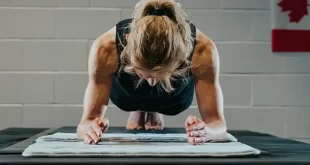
[151, 65]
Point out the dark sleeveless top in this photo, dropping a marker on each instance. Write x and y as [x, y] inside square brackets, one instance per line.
[127, 97]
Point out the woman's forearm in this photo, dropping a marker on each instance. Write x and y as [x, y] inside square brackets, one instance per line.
[96, 99]
[210, 104]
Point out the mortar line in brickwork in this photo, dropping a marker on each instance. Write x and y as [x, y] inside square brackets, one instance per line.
[227, 9]
[264, 74]
[22, 114]
[251, 92]
[241, 42]
[45, 39]
[43, 72]
[86, 39]
[54, 105]
[90, 7]
[11, 105]
[192, 106]
[222, 74]
[58, 8]
[54, 88]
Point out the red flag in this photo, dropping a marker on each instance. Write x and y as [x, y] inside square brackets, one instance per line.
[290, 26]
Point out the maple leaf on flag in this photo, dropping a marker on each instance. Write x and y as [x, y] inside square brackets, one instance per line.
[298, 9]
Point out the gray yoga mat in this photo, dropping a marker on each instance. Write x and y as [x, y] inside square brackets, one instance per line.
[140, 145]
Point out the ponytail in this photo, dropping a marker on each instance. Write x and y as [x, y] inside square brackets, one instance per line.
[168, 8]
[160, 8]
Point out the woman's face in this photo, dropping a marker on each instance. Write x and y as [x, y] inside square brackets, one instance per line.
[151, 79]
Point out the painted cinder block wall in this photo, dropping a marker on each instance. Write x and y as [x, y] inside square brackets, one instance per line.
[44, 46]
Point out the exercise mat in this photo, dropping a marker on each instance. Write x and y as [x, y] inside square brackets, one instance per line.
[138, 145]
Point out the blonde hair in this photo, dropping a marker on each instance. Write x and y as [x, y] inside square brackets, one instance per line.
[158, 44]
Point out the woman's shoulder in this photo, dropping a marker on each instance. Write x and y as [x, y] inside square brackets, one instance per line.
[103, 57]
[205, 60]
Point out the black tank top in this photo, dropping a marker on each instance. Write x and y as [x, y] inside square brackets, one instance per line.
[126, 96]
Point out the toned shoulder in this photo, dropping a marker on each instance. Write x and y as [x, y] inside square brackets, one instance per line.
[103, 59]
[205, 61]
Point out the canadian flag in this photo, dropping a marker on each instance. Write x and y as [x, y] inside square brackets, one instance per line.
[290, 26]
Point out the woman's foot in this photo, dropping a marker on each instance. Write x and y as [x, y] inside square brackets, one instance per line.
[136, 120]
[154, 121]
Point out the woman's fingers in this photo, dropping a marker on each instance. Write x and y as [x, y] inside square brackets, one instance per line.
[87, 139]
[94, 136]
[196, 133]
[190, 120]
[197, 140]
[196, 127]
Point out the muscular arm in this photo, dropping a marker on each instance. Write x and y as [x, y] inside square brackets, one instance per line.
[208, 90]
[96, 97]
[101, 64]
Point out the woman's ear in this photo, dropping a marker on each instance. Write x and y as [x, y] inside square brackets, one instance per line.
[127, 36]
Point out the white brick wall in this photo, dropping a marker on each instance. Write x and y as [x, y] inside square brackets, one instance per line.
[44, 46]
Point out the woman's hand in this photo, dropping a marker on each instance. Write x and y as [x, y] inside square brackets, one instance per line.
[198, 132]
[90, 131]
